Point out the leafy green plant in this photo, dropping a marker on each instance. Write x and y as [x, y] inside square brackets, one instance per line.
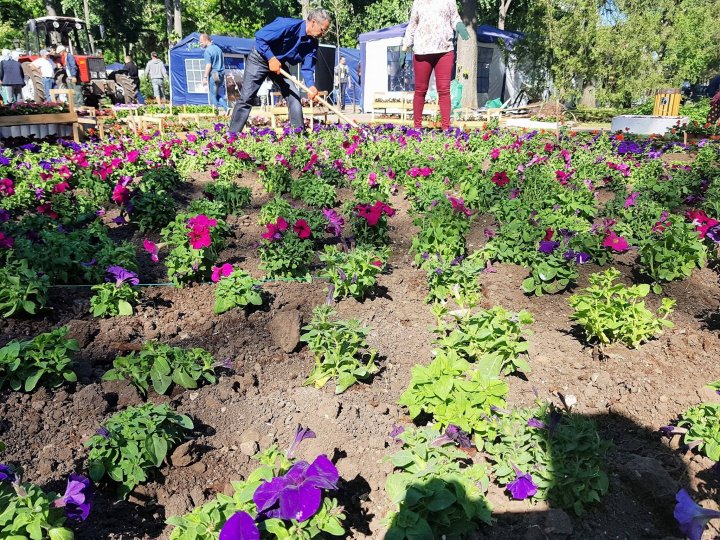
[701, 427]
[110, 300]
[161, 365]
[611, 312]
[340, 350]
[452, 392]
[152, 210]
[672, 252]
[47, 358]
[206, 521]
[353, 273]
[239, 289]
[233, 197]
[273, 209]
[456, 279]
[133, 442]
[438, 494]
[313, 191]
[275, 177]
[493, 331]
[442, 232]
[550, 274]
[563, 453]
[29, 512]
[161, 178]
[287, 257]
[21, 288]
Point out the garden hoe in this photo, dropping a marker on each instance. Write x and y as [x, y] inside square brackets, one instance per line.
[333, 108]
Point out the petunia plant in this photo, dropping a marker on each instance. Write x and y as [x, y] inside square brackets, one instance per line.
[353, 273]
[287, 249]
[117, 296]
[340, 348]
[610, 312]
[283, 498]
[235, 288]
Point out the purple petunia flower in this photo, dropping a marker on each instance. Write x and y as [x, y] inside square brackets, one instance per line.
[523, 486]
[396, 432]
[578, 256]
[630, 201]
[335, 221]
[4, 215]
[103, 432]
[691, 517]
[454, 435]
[77, 499]
[535, 423]
[713, 233]
[122, 275]
[548, 246]
[240, 526]
[6, 473]
[297, 494]
[301, 434]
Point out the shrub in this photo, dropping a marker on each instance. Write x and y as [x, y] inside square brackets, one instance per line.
[21, 288]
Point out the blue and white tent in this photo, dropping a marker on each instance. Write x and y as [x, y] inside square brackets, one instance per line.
[187, 66]
[383, 71]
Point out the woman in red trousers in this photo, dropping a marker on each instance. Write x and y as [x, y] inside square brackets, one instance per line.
[430, 33]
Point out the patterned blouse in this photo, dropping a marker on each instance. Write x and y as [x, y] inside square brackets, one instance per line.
[431, 27]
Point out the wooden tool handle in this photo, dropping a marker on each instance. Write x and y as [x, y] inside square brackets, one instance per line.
[330, 106]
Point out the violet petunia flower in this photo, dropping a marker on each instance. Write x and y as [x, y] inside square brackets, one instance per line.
[454, 435]
[535, 423]
[301, 433]
[691, 517]
[630, 201]
[6, 473]
[523, 486]
[548, 246]
[77, 499]
[122, 275]
[103, 432]
[298, 494]
[396, 432]
[240, 526]
[713, 233]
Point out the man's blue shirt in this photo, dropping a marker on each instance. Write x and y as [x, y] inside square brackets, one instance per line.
[287, 40]
[214, 56]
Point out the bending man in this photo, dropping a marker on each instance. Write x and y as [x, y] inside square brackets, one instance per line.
[291, 41]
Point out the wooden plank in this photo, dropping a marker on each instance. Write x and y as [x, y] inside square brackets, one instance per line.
[21, 119]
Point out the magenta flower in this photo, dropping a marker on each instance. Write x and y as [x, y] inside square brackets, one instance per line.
[494, 153]
[630, 201]
[275, 230]
[523, 486]
[121, 194]
[77, 499]
[615, 242]
[372, 179]
[500, 178]
[6, 242]
[297, 494]
[199, 234]
[302, 229]
[152, 249]
[691, 517]
[458, 205]
[219, 272]
[240, 526]
[7, 187]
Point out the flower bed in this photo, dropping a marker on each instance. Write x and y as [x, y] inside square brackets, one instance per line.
[413, 333]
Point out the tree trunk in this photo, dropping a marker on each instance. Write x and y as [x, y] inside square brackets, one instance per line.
[86, 13]
[502, 15]
[169, 18]
[467, 56]
[178, 18]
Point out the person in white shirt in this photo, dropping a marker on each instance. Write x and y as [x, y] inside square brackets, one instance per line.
[47, 72]
[264, 92]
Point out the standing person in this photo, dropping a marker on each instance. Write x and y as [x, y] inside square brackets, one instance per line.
[156, 72]
[714, 93]
[12, 78]
[73, 74]
[342, 77]
[132, 71]
[5, 55]
[430, 29]
[47, 72]
[214, 74]
[283, 40]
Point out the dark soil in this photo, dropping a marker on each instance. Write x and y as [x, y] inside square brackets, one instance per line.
[630, 393]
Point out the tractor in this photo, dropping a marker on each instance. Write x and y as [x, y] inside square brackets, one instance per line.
[50, 32]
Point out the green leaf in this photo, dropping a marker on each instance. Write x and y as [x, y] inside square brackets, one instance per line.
[124, 308]
[32, 380]
[158, 448]
[61, 533]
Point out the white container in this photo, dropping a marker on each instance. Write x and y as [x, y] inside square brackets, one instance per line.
[646, 125]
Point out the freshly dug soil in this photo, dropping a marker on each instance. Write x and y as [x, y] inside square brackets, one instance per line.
[630, 393]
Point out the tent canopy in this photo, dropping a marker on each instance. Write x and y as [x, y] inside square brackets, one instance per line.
[485, 34]
[186, 65]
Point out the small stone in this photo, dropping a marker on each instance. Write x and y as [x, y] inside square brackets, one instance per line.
[194, 396]
[663, 399]
[198, 468]
[249, 448]
[184, 455]
[285, 329]
[558, 524]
